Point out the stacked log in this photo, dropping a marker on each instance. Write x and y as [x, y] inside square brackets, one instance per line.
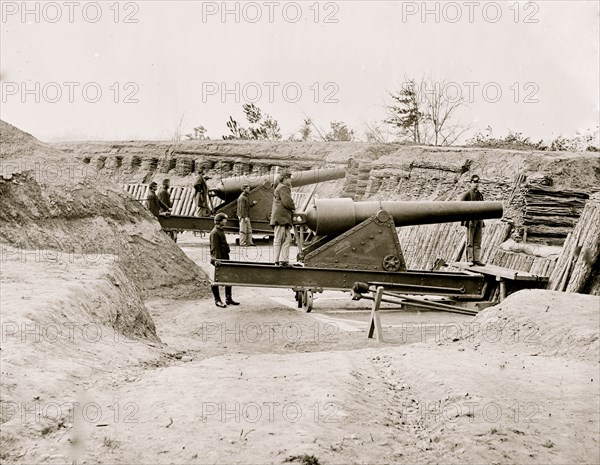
[135, 162]
[149, 164]
[540, 266]
[351, 181]
[551, 214]
[581, 251]
[364, 170]
[375, 183]
[184, 166]
[100, 162]
[164, 165]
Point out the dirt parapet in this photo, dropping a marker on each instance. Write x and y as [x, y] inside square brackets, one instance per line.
[47, 201]
[64, 321]
[537, 322]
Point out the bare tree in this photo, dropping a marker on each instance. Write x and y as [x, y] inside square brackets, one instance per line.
[177, 133]
[425, 112]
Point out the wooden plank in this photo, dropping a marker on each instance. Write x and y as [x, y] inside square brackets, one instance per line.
[499, 272]
[538, 190]
[375, 323]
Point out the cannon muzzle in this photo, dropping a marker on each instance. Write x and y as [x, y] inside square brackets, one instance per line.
[335, 216]
[230, 188]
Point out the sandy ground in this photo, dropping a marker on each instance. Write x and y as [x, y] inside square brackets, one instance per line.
[267, 383]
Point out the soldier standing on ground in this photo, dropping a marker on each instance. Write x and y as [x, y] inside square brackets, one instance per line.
[155, 205]
[474, 227]
[281, 219]
[219, 250]
[243, 213]
[201, 195]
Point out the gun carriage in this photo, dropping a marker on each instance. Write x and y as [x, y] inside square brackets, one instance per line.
[348, 242]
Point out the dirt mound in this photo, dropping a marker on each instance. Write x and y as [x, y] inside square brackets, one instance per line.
[64, 321]
[537, 322]
[48, 200]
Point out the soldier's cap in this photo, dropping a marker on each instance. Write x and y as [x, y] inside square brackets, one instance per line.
[220, 217]
[475, 178]
[284, 175]
[153, 184]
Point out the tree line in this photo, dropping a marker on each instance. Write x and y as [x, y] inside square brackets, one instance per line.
[421, 112]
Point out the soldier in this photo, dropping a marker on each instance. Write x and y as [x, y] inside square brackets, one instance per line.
[474, 227]
[201, 195]
[243, 213]
[219, 249]
[281, 219]
[155, 205]
[165, 197]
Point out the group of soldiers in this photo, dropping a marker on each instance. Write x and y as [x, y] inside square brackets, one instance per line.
[281, 221]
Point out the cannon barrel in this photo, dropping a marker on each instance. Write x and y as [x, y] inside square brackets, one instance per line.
[230, 188]
[335, 216]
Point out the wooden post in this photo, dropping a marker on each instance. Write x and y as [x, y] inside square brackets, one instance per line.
[502, 288]
[375, 324]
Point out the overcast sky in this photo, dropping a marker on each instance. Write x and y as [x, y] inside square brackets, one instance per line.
[131, 70]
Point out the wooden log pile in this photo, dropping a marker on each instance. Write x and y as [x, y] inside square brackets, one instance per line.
[551, 214]
[581, 251]
[539, 266]
[182, 198]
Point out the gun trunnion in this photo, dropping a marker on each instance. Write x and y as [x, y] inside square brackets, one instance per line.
[358, 242]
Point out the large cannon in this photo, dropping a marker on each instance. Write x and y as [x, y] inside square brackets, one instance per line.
[260, 198]
[358, 242]
[229, 189]
[334, 216]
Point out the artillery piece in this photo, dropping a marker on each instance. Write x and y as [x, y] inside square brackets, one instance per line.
[262, 189]
[358, 242]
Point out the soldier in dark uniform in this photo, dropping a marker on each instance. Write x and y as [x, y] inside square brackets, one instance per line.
[474, 227]
[201, 195]
[243, 213]
[281, 219]
[165, 197]
[154, 204]
[219, 249]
